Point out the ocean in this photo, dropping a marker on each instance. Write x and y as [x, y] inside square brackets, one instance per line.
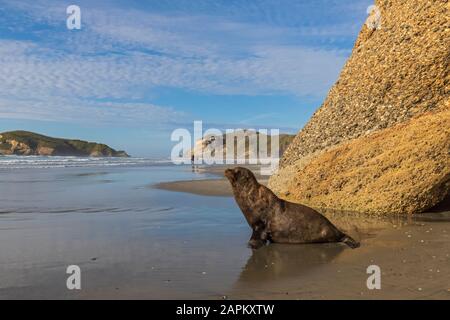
[128, 238]
[131, 240]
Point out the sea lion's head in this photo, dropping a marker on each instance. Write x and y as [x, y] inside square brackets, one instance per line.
[240, 176]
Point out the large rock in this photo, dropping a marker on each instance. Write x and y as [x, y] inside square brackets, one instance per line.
[403, 169]
[380, 141]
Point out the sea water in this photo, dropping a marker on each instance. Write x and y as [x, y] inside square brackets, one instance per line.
[128, 238]
[131, 240]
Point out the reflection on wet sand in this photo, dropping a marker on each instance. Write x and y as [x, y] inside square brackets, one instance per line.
[412, 252]
[278, 261]
[133, 242]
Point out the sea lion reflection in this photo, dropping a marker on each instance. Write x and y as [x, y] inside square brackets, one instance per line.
[282, 261]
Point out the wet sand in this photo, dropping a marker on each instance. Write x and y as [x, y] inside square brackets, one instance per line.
[413, 253]
[136, 242]
[414, 262]
[219, 187]
[212, 187]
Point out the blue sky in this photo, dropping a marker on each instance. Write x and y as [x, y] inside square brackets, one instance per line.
[139, 69]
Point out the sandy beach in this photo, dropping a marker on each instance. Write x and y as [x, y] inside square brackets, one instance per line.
[189, 241]
[219, 187]
[413, 253]
[414, 262]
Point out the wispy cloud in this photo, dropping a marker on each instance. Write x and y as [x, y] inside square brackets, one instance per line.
[124, 54]
[88, 112]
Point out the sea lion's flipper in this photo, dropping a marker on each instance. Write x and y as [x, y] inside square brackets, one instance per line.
[352, 243]
[256, 243]
[257, 240]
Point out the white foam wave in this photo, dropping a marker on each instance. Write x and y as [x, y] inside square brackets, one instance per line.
[24, 162]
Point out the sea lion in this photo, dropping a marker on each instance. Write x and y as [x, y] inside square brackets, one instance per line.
[275, 220]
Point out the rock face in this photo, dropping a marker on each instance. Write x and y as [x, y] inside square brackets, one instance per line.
[29, 143]
[384, 124]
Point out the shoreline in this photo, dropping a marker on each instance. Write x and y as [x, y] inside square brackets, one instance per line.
[218, 186]
[210, 187]
[357, 224]
[411, 251]
[139, 242]
[413, 259]
[207, 187]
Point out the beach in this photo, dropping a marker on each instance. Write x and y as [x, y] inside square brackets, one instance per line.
[218, 186]
[134, 240]
[414, 253]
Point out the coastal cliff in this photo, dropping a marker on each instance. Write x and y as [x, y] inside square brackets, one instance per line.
[28, 143]
[380, 142]
[219, 144]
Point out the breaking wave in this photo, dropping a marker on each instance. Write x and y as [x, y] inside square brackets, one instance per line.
[24, 162]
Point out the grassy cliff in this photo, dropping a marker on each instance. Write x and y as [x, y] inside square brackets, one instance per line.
[29, 143]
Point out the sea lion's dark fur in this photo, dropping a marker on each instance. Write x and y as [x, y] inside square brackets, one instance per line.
[275, 220]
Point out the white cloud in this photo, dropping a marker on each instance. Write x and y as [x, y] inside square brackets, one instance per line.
[76, 110]
[294, 70]
[125, 54]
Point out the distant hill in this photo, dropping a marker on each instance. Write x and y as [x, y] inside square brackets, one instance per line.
[28, 143]
[214, 143]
